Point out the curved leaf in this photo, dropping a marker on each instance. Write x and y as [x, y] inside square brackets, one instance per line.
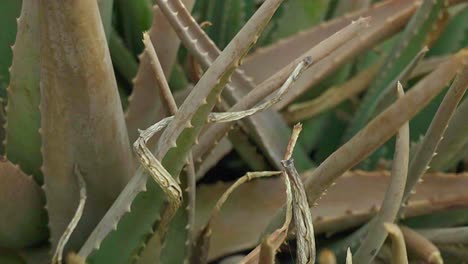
[22, 215]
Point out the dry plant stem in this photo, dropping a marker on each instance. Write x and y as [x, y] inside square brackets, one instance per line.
[302, 217]
[170, 105]
[267, 253]
[421, 159]
[159, 75]
[159, 174]
[270, 86]
[399, 255]
[233, 115]
[332, 97]
[292, 141]
[301, 213]
[272, 242]
[349, 256]
[376, 233]
[58, 255]
[421, 247]
[382, 127]
[203, 240]
[276, 238]
[446, 236]
[318, 52]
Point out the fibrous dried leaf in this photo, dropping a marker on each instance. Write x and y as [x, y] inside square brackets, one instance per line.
[58, 255]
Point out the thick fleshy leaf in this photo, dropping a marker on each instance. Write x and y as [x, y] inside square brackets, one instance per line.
[145, 197]
[82, 119]
[9, 11]
[376, 233]
[340, 209]
[23, 118]
[22, 215]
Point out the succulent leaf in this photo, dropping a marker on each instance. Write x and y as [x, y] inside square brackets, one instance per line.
[173, 149]
[23, 218]
[9, 11]
[23, 118]
[339, 210]
[81, 117]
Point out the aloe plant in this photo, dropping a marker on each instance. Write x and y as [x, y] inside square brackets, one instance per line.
[207, 91]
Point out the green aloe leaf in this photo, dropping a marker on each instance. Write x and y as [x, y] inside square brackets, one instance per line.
[23, 118]
[9, 11]
[454, 36]
[135, 17]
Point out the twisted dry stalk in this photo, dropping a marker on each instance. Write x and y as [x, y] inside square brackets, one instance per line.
[302, 217]
[163, 178]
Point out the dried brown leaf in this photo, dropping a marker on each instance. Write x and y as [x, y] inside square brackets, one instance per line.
[81, 117]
